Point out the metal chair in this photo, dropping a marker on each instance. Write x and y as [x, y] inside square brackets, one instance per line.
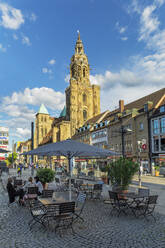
[47, 193]
[38, 212]
[97, 190]
[118, 204]
[65, 218]
[79, 206]
[143, 191]
[146, 208]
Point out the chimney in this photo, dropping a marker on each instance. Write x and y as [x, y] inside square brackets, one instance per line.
[121, 106]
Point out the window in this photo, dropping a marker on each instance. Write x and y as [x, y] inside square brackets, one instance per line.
[45, 131]
[162, 125]
[41, 118]
[84, 98]
[162, 109]
[156, 144]
[162, 143]
[45, 118]
[84, 115]
[155, 126]
[141, 126]
[83, 72]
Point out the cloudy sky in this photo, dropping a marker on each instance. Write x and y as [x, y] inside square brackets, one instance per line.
[124, 41]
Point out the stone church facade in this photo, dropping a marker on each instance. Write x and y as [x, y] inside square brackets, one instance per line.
[82, 103]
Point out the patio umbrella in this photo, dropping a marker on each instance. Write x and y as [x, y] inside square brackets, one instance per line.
[70, 148]
[3, 151]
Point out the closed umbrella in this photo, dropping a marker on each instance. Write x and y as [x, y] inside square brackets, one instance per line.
[70, 148]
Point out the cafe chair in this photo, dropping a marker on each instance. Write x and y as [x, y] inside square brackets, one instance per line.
[146, 208]
[118, 204]
[65, 218]
[79, 206]
[97, 190]
[47, 193]
[38, 212]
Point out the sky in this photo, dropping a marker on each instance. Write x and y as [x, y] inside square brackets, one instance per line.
[123, 39]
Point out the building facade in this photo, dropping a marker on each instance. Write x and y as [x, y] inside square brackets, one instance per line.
[4, 141]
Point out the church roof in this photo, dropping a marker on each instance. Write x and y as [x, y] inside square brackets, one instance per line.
[42, 110]
[63, 112]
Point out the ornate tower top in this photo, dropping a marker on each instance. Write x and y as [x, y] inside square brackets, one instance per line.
[79, 67]
[79, 48]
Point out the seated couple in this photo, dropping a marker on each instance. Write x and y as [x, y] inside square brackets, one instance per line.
[12, 192]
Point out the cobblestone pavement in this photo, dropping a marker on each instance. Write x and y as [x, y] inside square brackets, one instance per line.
[100, 229]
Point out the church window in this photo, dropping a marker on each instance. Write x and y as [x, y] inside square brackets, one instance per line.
[42, 133]
[84, 115]
[84, 98]
[45, 118]
[83, 72]
[41, 118]
[45, 131]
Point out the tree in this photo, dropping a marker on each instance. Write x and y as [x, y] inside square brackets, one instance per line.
[12, 157]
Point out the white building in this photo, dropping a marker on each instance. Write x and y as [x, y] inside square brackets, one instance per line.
[4, 141]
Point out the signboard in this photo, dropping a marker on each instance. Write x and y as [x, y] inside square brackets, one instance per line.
[5, 147]
[144, 146]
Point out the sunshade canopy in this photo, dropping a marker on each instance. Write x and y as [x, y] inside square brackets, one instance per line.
[3, 151]
[70, 148]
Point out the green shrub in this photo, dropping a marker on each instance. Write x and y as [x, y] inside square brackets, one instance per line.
[45, 175]
[121, 172]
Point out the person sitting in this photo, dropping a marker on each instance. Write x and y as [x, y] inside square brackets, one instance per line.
[12, 192]
[28, 184]
[39, 185]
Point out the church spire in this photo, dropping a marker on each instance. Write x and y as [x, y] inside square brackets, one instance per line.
[79, 48]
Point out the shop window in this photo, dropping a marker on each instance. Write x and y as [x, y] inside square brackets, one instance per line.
[162, 143]
[156, 144]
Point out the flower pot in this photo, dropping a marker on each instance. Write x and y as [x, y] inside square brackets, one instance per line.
[45, 185]
[156, 173]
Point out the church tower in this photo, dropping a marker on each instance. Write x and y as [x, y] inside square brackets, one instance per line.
[82, 98]
[43, 124]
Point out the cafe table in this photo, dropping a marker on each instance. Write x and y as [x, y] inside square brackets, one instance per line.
[57, 199]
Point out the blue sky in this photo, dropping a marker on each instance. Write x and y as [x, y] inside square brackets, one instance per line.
[123, 39]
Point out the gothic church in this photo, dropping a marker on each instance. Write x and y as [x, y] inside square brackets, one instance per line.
[82, 103]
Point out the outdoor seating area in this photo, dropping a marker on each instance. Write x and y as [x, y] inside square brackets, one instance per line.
[139, 204]
[84, 219]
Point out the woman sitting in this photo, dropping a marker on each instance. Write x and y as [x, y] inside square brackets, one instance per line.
[39, 185]
[12, 192]
[28, 184]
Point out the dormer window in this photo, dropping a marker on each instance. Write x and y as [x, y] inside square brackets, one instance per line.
[162, 109]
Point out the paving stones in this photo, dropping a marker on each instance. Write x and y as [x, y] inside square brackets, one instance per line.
[100, 229]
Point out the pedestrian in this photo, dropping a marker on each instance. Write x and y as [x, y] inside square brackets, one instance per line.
[39, 185]
[19, 171]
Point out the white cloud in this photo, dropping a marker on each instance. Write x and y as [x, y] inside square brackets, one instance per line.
[23, 132]
[51, 98]
[33, 17]
[15, 37]
[124, 38]
[52, 62]
[121, 29]
[11, 18]
[2, 48]
[67, 78]
[26, 40]
[46, 70]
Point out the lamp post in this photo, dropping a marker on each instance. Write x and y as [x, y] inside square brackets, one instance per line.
[139, 143]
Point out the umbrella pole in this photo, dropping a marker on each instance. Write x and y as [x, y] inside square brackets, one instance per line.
[70, 171]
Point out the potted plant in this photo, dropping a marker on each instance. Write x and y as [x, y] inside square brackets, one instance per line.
[45, 175]
[121, 172]
[157, 170]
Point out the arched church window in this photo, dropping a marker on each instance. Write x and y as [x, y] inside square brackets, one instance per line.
[45, 131]
[84, 98]
[84, 115]
[42, 133]
[45, 118]
[83, 72]
[41, 118]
